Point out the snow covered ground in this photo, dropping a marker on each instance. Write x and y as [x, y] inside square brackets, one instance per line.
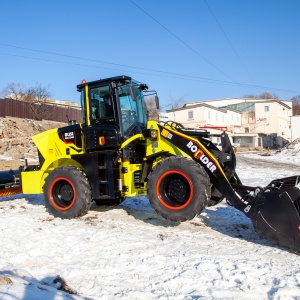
[129, 252]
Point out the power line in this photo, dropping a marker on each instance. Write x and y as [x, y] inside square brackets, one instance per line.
[234, 82]
[229, 42]
[164, 74]
[105, 62]
[182, 41]
[115, 64]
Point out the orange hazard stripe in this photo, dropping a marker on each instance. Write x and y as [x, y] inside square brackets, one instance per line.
[10, 191]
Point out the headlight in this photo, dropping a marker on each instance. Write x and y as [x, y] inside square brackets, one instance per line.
[154, 134]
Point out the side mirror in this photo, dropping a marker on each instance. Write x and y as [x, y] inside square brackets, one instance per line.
[132, 93]
[157, 102]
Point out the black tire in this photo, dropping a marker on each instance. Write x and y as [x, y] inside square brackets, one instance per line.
[67, 193]
[178, 188]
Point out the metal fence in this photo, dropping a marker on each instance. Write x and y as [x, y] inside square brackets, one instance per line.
[21, 109]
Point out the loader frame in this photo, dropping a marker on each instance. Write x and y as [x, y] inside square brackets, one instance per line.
[117, 153]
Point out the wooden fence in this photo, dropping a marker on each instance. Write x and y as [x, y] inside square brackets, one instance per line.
[21, 109]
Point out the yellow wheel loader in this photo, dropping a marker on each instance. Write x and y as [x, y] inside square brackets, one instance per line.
[117, 153]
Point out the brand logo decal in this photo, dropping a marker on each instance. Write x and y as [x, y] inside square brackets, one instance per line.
[198, 154]
[69, 135]
[165, 133]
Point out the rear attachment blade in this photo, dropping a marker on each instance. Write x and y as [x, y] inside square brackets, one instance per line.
[10, 192]
[9, 183]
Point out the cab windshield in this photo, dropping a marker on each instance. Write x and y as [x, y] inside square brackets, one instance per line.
[133, 110]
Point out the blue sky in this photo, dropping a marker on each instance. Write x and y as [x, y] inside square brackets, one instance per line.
[194, 49]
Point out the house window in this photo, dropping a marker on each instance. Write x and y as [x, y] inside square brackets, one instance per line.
[266, 108]
[190, 115]
[208, 114]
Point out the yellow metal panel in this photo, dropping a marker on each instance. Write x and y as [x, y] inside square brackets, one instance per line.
[87, 101]
[31, 182]
[52, 148]
[128, 180]
[131, 139]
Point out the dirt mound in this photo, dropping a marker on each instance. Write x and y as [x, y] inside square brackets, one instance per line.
[15, 140]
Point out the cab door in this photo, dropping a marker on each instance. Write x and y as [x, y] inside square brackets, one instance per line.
[102, 130]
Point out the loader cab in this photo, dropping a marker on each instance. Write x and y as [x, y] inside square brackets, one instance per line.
[113, 110]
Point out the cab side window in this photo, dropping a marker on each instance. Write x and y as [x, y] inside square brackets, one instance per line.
[101, 103]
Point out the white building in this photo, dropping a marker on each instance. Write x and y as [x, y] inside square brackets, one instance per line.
[295, 127]
[163, 117]
[249, 122]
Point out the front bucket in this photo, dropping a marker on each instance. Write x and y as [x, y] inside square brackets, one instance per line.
[276, 215]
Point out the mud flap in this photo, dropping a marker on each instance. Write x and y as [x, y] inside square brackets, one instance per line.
[275, 215]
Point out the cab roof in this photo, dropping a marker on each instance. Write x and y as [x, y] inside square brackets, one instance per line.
[106, 80]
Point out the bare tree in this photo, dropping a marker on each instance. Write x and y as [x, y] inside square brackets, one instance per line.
[153, 112]
[251, 96]
[264, 95]
[176, 103]
[296, 105]
[267, 95]
[14, 90]
[37, 97]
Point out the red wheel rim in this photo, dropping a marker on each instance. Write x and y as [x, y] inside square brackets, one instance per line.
[62, 193]
[178, 181]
